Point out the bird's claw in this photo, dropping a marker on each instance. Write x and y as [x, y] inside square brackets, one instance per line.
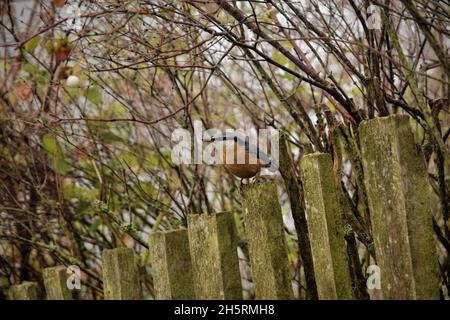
[240, 185]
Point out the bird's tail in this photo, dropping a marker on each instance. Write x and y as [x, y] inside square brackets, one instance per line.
[270, 164]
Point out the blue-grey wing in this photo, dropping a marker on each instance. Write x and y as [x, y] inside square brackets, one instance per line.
[252, 149]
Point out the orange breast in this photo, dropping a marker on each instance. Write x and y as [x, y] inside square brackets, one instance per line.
[249, 168]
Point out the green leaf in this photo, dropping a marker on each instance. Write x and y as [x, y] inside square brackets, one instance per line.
[109, 136]
[30, 68]
[94, 95]
[74, 191]
[49, 47]
[74, 91]
[31, 44]
[42, 77]
[95, 225]
[50, 144]
[118, 109]
[130, 159]
[64, 166]
[55, 153]
[280, 58]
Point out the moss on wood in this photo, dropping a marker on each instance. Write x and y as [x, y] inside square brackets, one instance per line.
[215, 265]
[267, 243]
[25, 291]
[120, 275]
[325, 223]
[399, 201]
[55, 282]
[171, 265]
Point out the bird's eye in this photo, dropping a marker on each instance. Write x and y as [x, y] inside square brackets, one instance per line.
[213, 139]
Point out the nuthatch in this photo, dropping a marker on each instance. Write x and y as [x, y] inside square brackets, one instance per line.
[251, 157]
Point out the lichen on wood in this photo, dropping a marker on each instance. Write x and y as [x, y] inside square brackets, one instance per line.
[267, 243]
[55, 282]
[213, 246]
[325, 223]
[171, 265]
[25, 291]
[399, 201]
[120, 275]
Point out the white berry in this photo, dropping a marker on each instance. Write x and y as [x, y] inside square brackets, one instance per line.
[72, 81]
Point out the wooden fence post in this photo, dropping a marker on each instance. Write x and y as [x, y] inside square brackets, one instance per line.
[267, 243]
[215, 265]
[171, 265]
[325, 225]
[120, 275]
[25, 291]
[398, 193]
[55, 282]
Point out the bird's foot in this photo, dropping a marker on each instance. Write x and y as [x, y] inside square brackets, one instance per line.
[256, 178]
[240, 185]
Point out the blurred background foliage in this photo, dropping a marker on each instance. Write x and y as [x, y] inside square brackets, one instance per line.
[90, 92]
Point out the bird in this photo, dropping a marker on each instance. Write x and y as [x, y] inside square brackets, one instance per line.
[255, 159]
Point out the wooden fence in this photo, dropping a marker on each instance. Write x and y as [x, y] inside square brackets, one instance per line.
[201, 262]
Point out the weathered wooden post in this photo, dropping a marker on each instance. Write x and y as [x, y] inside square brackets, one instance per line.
[25, 291]
[215, 265]
[325, 225]
[55, 282]
[398, 193]
[267, 243]
[171, 265]
[120, 275]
